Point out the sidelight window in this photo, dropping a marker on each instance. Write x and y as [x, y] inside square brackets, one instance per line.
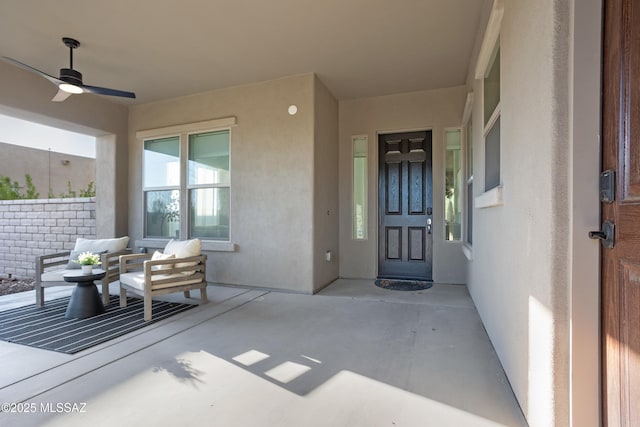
[453, 185]
[360, 146]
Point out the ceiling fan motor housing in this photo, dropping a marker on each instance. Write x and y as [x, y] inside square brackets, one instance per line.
[71, 76]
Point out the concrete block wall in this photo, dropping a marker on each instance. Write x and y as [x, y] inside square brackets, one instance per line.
[29, 228]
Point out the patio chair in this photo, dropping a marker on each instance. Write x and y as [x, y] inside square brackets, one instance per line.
[50, 268]
[181, 268]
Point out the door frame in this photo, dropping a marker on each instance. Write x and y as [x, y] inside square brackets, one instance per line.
[376, 198]
[584, 125]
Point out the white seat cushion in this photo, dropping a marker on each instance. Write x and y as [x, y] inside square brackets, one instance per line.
[55, 275]
[136, 280]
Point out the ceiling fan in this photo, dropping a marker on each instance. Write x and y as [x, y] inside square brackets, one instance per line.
[70, 80]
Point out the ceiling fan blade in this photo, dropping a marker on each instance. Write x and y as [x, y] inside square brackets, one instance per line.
[52, 79]
[107, 91]
[61, 96]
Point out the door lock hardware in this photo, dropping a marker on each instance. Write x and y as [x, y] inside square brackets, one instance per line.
[428, 225]
[608, 186]
[606, 235]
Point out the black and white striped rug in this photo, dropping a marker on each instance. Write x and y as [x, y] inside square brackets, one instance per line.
[46, 327]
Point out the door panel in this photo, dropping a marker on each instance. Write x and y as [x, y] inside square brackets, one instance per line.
[416, 243]
[394, 189]
[394, 243]
[405, 214]
[417, 190]
[621, 264]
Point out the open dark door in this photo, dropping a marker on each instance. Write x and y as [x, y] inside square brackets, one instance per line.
[405, 213]
[621, 214]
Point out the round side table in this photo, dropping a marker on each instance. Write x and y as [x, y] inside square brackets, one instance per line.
[85, 300]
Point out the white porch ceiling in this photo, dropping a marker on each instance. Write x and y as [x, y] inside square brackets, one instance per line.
[167, 48]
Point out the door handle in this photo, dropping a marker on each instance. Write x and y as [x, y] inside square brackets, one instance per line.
[598, 235]
[428, 225]
[606, 235]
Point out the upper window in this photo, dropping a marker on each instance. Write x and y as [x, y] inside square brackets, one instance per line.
[186, 180]
[491, 101]
[491, 86]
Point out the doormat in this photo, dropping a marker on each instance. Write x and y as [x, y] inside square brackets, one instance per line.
[403, 285]
[46, 327]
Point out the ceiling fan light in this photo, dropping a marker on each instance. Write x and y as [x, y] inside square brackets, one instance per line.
[69, 88]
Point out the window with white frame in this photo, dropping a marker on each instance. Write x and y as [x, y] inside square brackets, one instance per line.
[491, 105]
[161, 166]
[360, 148]
[487, 74]
[469, 202]
[187, 184]
[453, 184]
[209, 185]
[467, 145]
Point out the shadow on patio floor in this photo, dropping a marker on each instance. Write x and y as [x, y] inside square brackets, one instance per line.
[340, 358]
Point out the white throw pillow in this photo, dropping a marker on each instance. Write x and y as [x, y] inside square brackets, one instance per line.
[184, 249]
[99, 245]
[157, 255]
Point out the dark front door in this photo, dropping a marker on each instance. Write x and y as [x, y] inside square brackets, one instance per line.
[404, 200]
[621, 264]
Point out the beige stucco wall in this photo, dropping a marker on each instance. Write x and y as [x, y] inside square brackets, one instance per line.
[27, 96]
[512, 278]
[272, 179]
[435, 110]
[47, 169]
[325, 184]
[534, 274]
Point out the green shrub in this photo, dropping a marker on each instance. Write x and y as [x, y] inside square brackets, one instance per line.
[9, 190]
[31, 189]
[90, 191]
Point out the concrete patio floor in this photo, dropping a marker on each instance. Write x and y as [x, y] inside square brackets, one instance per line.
[352, 355]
